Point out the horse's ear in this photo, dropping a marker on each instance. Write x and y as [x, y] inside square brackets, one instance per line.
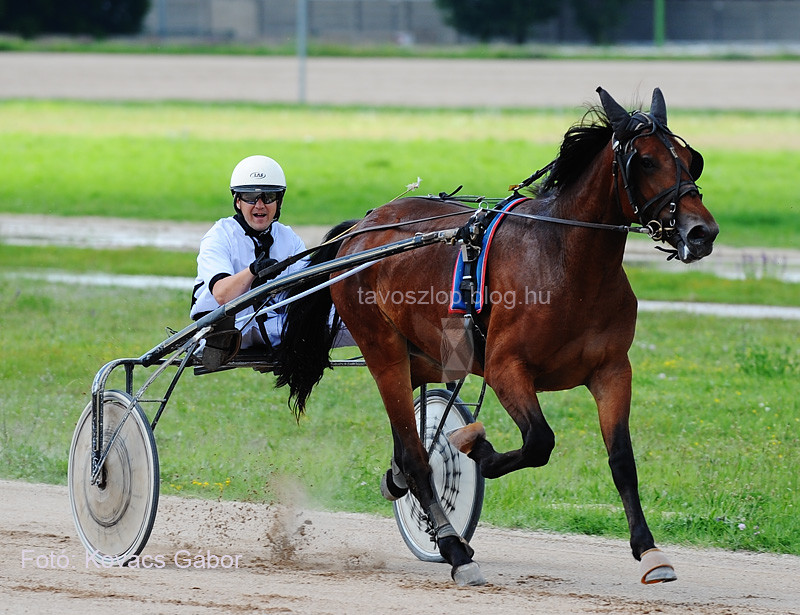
[658, 108]
[617, 115]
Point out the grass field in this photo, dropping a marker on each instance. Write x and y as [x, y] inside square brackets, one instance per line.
[173, 161]
[715, 423]
[716, 409]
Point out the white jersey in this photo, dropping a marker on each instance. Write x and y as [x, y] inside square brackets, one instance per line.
[225, 250]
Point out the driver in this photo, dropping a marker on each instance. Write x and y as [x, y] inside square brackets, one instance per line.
[238, 247]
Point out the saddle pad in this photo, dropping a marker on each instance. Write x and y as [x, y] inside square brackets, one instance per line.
[458, 305]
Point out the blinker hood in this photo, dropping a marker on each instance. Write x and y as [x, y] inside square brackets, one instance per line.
[623, 122]
[625, 125]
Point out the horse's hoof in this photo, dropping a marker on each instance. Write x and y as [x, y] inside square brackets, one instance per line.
[465, 437]
[389, 490]
[468, 574]
[656, 568]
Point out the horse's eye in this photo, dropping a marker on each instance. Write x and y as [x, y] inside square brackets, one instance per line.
[647, 162]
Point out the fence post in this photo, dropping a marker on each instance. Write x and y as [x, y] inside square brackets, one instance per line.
[659, 18]
[302, 51]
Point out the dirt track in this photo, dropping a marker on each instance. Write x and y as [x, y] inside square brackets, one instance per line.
[295, 560]
[400, 82]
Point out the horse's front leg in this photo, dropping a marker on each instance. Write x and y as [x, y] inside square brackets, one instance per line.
[611, 388]
[514, 388]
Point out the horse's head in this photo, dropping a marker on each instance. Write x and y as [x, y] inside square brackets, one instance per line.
[659, 171]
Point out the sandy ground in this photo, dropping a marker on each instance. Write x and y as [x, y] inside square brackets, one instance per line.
[294, 560]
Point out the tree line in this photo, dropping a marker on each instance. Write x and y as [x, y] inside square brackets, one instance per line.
[511, 20]
[484, 20]
[96, 18]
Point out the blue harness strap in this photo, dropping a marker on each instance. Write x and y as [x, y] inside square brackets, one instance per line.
[458, 303]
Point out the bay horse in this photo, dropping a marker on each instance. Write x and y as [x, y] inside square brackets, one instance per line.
[614, 168]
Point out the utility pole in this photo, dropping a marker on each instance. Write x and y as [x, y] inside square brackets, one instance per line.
[659, 19]
[302, 49]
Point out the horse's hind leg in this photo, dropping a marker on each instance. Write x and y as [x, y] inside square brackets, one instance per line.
[393, 483]
[392, 374]
[611, 388]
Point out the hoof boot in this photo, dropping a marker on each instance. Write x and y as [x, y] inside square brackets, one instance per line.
[656, 568]
[468, 574]
[389, 490]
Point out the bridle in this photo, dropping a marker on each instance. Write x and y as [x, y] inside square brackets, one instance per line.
[649, 213]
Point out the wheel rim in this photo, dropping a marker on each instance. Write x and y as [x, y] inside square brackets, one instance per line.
[456, 477]
[114, 517]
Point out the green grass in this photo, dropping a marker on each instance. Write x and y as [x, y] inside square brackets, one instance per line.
[172, 161]
[715, 423]
[127, 261]
[708, 288]
[716, 428]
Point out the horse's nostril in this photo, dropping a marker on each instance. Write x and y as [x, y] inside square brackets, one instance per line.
[700, 234]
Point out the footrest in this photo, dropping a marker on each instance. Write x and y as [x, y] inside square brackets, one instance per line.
[258, 357]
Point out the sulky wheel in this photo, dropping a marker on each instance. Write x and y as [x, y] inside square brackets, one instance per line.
[457, 478]
[114, 516]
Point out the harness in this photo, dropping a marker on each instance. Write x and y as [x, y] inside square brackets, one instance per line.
[467, 290]
[642, 125]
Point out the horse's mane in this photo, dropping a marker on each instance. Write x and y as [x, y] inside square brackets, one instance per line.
[581, 144]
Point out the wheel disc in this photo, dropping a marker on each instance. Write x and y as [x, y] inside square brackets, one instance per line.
[457, 479]
[115, 515]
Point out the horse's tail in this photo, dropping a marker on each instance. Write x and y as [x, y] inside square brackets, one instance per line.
[308, 334]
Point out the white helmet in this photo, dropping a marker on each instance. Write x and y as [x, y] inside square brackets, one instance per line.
[259, 173]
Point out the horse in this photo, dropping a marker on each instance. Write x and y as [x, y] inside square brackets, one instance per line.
[615, 168]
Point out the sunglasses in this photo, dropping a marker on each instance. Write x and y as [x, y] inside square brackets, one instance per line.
[251, 197]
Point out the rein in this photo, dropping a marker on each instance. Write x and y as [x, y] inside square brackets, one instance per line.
[623, 155]
[480, 211]
[275, 269]
[619, 228]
